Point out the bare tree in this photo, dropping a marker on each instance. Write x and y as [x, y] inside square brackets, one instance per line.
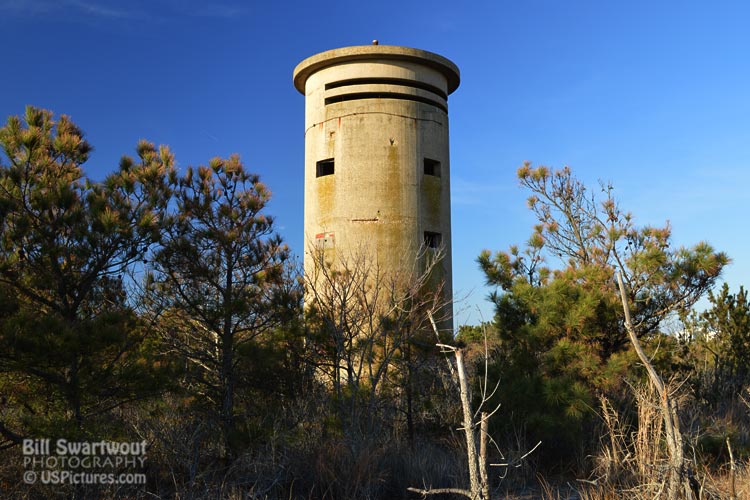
[364, 320]
[479, 485]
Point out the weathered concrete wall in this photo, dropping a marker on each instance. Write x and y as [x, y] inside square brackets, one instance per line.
[378, 112]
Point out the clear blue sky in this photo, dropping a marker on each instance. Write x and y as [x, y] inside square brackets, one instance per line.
[652, 96]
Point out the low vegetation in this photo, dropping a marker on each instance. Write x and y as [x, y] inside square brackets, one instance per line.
[163, 307]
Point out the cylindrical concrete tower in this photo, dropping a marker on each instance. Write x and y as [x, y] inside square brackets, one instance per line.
[377, 168]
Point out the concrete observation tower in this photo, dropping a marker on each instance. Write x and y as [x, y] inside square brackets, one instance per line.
[377, 166]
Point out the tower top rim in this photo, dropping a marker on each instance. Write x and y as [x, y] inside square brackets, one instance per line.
[341, 55]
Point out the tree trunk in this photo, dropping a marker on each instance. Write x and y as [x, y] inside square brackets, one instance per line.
[227, 364]
[471, 447]
[409, 398]
[227, 401]
[73, 395]
[671, 422]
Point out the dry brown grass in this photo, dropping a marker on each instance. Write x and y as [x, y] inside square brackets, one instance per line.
[631, 460]
[713, 486]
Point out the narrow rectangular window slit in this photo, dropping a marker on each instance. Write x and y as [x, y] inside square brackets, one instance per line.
[431, 167]
[324, 167]
[432, 240]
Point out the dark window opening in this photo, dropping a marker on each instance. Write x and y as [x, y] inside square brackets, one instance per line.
[431, 167]
[432, 240]
[324, 167]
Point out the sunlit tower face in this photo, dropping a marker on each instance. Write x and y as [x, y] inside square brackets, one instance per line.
[377, 164]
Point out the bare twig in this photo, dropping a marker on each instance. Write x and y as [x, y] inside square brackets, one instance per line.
[442, 346]
[733, 491]
[483, 434]
[442, 491]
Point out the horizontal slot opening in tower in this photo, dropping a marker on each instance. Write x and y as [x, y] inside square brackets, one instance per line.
[387, 81]
[384, 95]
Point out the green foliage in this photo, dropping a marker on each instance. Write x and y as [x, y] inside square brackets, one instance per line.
[717, 345]
[64, 243]
[220, 281]
[562, 337]
[474, 334]
[217, 329]
[582, 232]
[727, 324]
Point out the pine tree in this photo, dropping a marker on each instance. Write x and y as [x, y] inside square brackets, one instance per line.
[560, 326]
[219, 280]
[68, 331]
